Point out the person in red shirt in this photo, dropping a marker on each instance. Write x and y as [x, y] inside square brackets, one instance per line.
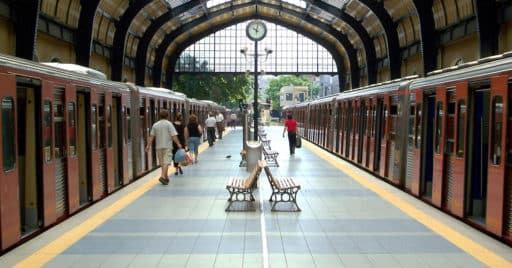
[290, 125]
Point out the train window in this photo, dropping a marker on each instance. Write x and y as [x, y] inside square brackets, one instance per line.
[461, 126]
[8, 131]
[94, 129]
[72, 128]
[439, 126]
[418, 126]
[393, 109]
[383, 125]
[109, 125]
[410, 135]
[47, 128]
[128, 126]
[497, 123]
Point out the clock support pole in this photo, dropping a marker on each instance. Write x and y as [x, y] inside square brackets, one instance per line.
[255, 103]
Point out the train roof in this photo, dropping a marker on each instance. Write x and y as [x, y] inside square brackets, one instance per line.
[484, 67]
[71, 72]
[162, 92]
[77, 69]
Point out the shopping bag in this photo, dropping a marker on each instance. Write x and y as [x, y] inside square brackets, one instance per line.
[298, 142]
[188, 160]
[179, 156]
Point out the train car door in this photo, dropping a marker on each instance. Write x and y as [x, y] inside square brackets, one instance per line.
[416, 148]
[348, 128]
[370, 135]
[383, 145]
[144, 113]
[449, 180]
[342, 127]
[394, 156]
[440, 123]
[378, 133]
[355, 130]
[30, 156]
[117, 142]
[71, 153]
[128, 148]
[48, 164]
[153, 118]
[497, 151]
[508, 193]
[60, 152]
[427, 158]
[476, 185]
[85, 139]
[13, 212]
[362, 131]
[338, 129]
[101, 189]
[459, 156]
[110, 152]
[97, 165]
[409, 146]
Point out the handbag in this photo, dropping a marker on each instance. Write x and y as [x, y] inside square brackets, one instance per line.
[179, 156]
[298, 142]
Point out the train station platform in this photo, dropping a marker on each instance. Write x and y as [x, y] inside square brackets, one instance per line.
[348, 219]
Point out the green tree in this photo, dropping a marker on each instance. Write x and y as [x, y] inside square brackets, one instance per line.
[276, 84]
[225, 89]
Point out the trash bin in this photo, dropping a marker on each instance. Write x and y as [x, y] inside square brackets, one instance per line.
[253, 154]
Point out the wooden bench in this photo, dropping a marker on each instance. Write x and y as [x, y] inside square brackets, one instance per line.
[241, 189]
[270, 156]
[284, 190]
[265, 142]
[243, 162]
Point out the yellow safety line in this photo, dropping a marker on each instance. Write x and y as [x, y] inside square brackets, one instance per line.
[471, 247]
[60, 244]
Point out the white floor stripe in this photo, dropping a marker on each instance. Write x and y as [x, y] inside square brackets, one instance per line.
[264, 244]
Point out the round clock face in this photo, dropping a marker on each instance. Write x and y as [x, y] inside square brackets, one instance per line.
[256, 30]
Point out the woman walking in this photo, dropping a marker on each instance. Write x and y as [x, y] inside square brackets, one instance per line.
[180, 128]
[193, 133]
[290, 125]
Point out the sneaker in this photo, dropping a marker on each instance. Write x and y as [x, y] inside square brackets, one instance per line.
[180, 170]
[163, 180]
[176, 173]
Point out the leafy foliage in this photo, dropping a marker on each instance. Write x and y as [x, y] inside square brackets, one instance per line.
[224, 89]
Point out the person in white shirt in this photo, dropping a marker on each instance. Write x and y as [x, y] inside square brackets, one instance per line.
[164, 133]
[233, 120]
[210, 129]
[220, 124]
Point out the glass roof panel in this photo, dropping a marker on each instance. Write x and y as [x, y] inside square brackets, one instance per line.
[212, 3]
[175, 3]
[337, 3]
[298, 3]
[291, 53]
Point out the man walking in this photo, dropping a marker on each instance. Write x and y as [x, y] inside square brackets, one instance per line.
[210, 129]
[233, 118]
[219, 119]
[164, 133]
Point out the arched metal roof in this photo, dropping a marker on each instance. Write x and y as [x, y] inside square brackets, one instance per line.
[364, 36]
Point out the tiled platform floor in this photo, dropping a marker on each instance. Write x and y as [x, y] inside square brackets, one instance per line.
[183, 224]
